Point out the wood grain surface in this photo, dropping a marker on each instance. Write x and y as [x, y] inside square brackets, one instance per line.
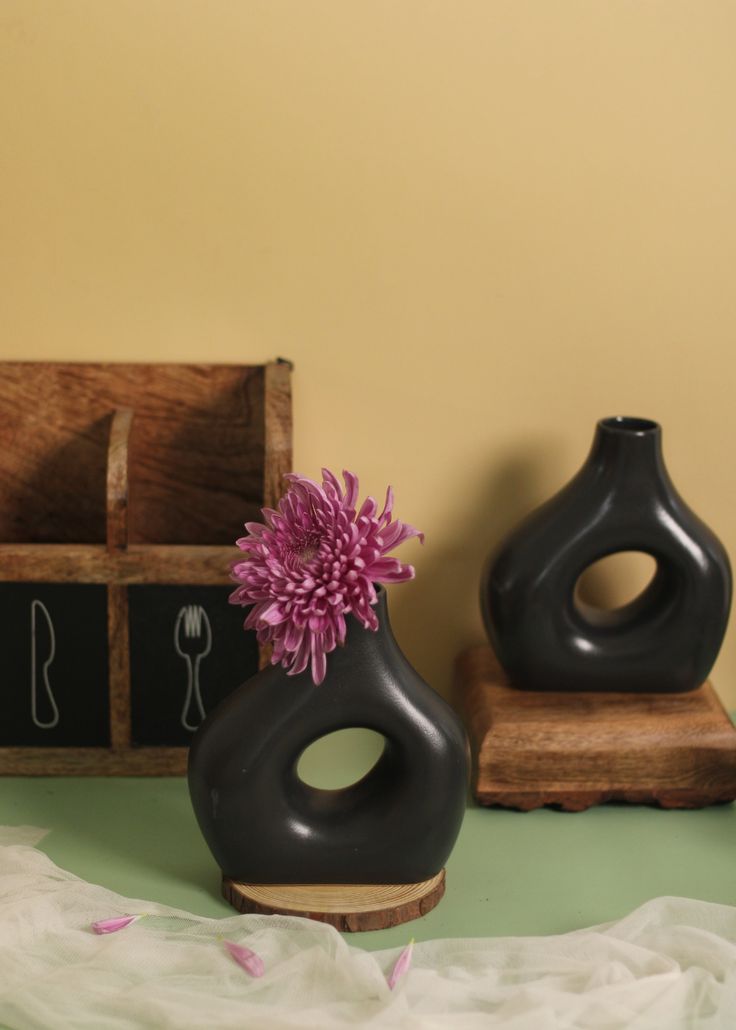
[123, 474]
[277, 430]
[197, 450]
[93, 761]
[573, 750]
[348, 907]
[95, 563]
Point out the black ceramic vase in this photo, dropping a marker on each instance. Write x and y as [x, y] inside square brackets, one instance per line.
[397, 824]
[622, 499]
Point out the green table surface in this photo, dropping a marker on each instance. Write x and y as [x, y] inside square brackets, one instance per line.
[515, 873]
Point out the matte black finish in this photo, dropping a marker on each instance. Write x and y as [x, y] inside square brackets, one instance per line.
[622, 499]
[396, 825]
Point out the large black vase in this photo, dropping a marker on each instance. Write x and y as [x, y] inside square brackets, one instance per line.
[397, 824]
[622, 499]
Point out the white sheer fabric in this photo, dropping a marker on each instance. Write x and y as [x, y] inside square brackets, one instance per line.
[668, 965]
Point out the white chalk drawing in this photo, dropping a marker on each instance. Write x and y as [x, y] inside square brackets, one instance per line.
[38, 607]
[192, 642]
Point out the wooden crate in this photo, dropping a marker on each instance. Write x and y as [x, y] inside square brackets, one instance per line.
[120, 485]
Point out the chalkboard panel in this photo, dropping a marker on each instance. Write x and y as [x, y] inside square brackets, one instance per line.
[188, 651]
[53, 665]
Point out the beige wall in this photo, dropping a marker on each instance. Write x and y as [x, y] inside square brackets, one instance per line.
[476, 226]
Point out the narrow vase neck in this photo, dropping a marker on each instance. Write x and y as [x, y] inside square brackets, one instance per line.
[628, 445]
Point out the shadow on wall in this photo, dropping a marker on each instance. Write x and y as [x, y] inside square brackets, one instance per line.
[616, 580]
[439, 616]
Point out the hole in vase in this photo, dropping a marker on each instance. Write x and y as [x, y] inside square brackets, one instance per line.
[340, 759]
[614, 583]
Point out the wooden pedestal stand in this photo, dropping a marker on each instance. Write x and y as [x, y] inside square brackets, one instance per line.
[575, 750]
[348, 907]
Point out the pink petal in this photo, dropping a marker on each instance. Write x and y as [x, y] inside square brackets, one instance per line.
[402, 965]
[389, 570]
[352, 487]
[396, 533]
[293, 636]
[329, 638]
[331, 479]
[246, 958]
[367, 509]
[304, 487]
[340, 627]
[382, 567]
[388, 506]
[273, 615]
[113, 925]
[319, 661]
[255, 529]
[301, 657]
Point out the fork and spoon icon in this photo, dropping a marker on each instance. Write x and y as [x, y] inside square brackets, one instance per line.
[192, 642]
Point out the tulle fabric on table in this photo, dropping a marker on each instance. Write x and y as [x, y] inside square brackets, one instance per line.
[668, 965]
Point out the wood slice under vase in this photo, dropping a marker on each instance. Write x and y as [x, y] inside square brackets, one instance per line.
[347, 907]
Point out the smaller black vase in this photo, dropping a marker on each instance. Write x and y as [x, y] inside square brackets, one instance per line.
[397, 824]
[622, 499]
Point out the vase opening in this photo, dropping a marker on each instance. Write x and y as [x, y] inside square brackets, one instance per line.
[339, 759]
[626, 424]
[609, 589]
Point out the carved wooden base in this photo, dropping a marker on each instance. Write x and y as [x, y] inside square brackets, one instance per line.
[574, 750]
[348, 907]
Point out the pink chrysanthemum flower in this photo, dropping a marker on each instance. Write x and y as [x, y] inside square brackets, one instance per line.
[314, 561]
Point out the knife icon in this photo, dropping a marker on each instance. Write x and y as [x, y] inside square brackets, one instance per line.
[39, 616]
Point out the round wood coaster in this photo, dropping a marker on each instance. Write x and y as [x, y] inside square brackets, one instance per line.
[346, 906]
